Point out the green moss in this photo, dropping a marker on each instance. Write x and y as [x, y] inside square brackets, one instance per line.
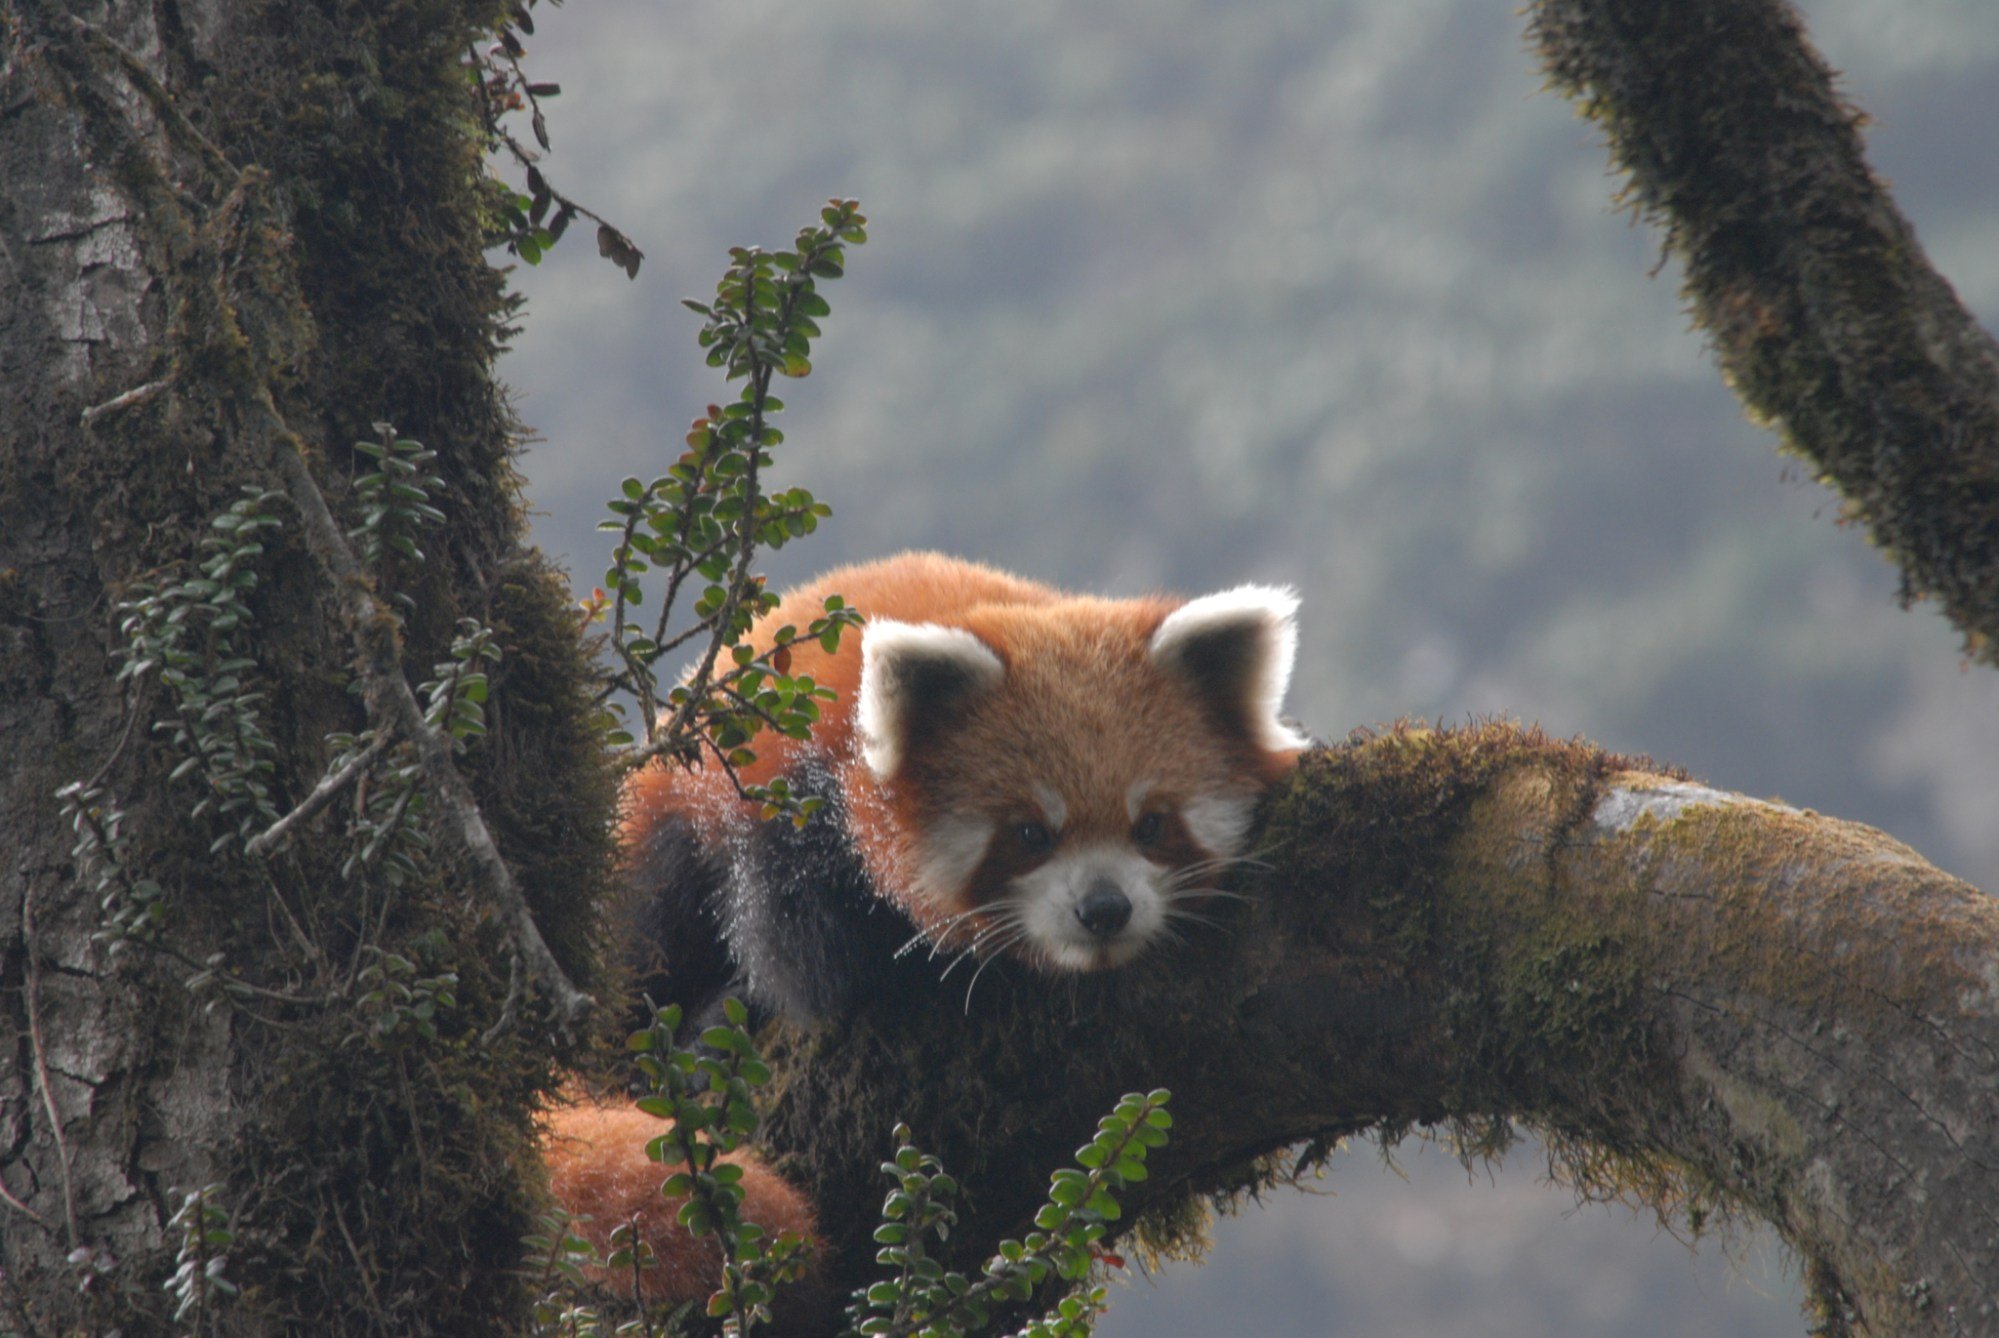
[336, 262]
[559, 840]
[1827, 320]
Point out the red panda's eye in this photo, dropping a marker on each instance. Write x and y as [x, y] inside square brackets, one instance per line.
[1148, 829]
[1033, 836]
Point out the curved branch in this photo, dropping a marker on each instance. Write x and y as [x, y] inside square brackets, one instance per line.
[1824, 312]
[1703, 1001]
[392, 705]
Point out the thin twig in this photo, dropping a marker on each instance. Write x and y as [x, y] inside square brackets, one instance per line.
[133, 710]
[698, 682]
[136, 395]
[391, 703]
[274, 896]
[362, 1266]
[7, 1197]
[380, 840]
[505, 1021]
[322, 795]
[33, 1001]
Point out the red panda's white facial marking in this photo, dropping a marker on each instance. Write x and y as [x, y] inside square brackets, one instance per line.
[1098, 891]
[1086, 909]
[1052, 807]
[949, 854]
[1220, 821]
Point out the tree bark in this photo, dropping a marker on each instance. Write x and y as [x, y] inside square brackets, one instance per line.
[1826, 317]
[1708, 1003]
[221, 213]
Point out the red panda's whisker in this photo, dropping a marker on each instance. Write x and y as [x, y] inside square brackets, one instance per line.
[935, 937]
[973, 983]
[920, 936]
[1172, 895]
[956, 958]
[1006, 927]
[1002, 921]
[1221, 862]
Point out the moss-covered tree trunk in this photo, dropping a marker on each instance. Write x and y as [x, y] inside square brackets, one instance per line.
[1702, 1001]
[222, 215]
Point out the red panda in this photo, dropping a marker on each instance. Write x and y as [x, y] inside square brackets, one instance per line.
[1011, 773]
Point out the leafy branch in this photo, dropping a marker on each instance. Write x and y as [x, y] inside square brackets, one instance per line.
[704, 521]
[186, 632]
[706, 1093]
[707, 1098]
[525, 226]
[197, 1283]
[923, 1297]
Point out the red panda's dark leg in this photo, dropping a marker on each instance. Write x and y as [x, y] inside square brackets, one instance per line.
[781, 916]
[669, 930]
[806, 928]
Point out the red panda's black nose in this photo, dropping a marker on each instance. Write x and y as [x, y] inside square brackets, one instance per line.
[1104, 909]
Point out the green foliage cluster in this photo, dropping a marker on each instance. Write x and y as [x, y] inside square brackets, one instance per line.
[130, 906]
[700, 525]
[192, 634]
[399, 1001]
[530, 223]
[394, 501]
[186, 633]
[198, 1284]
[706, 1094]
[922, 1297]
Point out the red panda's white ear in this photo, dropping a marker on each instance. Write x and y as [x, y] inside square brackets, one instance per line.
[1237, 647]
[910, 674]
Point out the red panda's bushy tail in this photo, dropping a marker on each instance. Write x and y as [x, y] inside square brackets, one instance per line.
[599, 1172]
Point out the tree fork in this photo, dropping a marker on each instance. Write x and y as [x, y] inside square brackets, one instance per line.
[1703, 1002]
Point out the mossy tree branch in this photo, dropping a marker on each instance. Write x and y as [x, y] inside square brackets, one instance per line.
[1826, 316]
[378, 655]
[1702, 1002]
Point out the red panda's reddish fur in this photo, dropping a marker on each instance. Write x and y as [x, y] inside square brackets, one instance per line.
[1076, 667]
[1084, 705]
[599, 1172]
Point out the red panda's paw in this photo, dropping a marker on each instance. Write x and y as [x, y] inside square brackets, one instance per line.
[599, 1173]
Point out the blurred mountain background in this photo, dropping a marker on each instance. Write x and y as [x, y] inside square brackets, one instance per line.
[1181, 293]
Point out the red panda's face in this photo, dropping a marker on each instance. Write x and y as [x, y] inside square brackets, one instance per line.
[1081, 886]
[1067, 783]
